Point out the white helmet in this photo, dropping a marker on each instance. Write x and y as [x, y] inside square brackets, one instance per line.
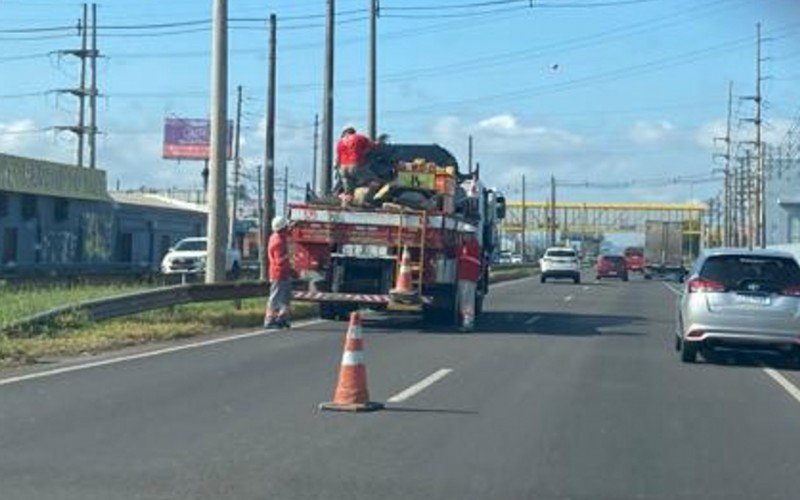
[279, 223]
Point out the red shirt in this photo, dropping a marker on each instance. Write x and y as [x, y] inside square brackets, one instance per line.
[469, 261]
[352, 149]
[278, 255]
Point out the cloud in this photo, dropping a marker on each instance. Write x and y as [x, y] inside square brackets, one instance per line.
[645, 133]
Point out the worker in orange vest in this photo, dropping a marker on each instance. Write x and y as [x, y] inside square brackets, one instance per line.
[280, 286]
[351, 160]
[469, 273]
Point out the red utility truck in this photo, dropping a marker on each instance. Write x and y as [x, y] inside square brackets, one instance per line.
[346, 258]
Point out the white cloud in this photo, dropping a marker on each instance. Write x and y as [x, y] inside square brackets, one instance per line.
[644, 133]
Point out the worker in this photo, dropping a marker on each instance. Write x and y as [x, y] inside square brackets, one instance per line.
[469, 272]
[280, 286]
[351, 160]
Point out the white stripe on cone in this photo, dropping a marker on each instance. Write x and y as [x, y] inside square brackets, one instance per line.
[352, 358]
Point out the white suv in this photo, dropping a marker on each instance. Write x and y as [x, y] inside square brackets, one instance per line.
[560, 262]
[188, 256]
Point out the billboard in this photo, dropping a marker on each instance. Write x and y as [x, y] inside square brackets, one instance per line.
[188, 138]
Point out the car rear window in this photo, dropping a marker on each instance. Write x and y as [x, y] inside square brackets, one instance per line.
[633, 252]
[561, 253]
[733, 270]
[613, 259]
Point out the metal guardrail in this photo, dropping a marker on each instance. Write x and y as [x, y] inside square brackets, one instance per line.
[148, 300]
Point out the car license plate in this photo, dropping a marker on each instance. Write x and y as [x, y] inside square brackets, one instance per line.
[757, 300]
[364, 251]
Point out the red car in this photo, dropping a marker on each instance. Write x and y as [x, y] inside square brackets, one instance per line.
[634, 259]
[611, 266]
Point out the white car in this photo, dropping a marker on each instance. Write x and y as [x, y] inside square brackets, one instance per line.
[560, 262]
[189, 255]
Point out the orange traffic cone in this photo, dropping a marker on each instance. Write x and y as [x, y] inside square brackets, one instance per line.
[404, 289]
[351, 391]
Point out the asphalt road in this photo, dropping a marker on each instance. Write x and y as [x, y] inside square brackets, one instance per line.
[565, 391]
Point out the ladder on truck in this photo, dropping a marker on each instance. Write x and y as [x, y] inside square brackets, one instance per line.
[410, 299]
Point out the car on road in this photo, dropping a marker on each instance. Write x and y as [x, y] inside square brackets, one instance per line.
[740, 299]
[611, 266]
[560, 262]
[188, 256]
[634, 259]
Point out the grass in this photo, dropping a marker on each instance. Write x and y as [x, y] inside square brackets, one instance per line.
[17, 303]
[73, 336]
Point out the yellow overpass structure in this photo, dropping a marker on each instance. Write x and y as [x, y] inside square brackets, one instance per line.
[597, 219]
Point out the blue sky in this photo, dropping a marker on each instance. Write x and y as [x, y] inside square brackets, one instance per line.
[639, 90]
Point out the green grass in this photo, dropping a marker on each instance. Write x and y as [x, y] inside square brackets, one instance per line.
[74, 336]
[501, 275]
[17, 303]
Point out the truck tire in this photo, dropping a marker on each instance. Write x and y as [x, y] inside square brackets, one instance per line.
[443, 310]
[335, 312]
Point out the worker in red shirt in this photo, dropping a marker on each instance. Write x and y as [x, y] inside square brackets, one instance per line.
[351, 156]
[469, 272]
[280, 286]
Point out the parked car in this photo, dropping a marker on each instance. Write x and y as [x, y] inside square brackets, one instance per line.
[740, 299]
[189, 255]
[634, 259]
[611, 266]
[560, 262]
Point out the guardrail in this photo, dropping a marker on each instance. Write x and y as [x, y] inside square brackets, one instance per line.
[148, 300]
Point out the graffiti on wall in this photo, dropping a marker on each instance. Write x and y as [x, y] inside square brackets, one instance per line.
[97, 237]
[58, 247]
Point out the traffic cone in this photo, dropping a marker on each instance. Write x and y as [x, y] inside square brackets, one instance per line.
[351, 390]
[404, 288]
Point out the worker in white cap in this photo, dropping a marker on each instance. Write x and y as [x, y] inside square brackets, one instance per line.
[280, 286]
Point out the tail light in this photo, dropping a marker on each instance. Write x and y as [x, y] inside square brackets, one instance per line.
[791, 291]
[695, 334]
[702, 285]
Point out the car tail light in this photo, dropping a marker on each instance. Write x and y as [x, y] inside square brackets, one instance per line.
[702, 285]
[694, 334]
[791, 291]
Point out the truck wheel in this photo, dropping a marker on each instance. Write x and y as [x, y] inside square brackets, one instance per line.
[478, 305]
[542, 279]
[327, 311]
[576, 280]
[335, 312]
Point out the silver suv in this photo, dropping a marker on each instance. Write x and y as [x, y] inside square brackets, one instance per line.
[740, 299]
[559, 262]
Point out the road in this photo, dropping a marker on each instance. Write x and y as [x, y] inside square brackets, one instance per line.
[566, 391]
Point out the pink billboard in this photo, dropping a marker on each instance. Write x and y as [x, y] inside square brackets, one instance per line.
[188, 138]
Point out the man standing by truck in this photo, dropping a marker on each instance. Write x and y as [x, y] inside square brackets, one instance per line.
[469, 272]
[280, 286]
[351, 159]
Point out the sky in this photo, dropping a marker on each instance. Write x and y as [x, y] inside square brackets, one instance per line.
[590, 91]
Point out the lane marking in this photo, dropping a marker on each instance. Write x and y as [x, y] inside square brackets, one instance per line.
[148, 354]
[532, 320]
[568, 298]
[585, 288]
[783, 382]
[511, 282]
[420, 386]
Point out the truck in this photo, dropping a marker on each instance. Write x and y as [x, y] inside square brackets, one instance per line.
[346, 258]
[663, 250]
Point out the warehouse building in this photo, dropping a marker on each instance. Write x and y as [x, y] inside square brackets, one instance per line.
[61, 218]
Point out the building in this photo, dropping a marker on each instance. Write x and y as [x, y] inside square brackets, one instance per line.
[61, 218]
[782, 204]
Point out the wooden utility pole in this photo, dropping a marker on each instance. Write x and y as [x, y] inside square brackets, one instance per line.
[326, 165]
[236, 168]
[523, 253]
[552, 210]
[372, 104]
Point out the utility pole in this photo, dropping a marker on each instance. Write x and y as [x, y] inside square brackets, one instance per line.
[750, 197]
[326, 165]
[469, 155]
[373, 70]
[261, 240]
[80, 130]
[93, 94]
[759, 214]
[236, 167]
[269, 149]
[215, 265]
[316, 149]
[524, 252]
[552, 210]
[285, 190]
[727, 196]
[82, 93]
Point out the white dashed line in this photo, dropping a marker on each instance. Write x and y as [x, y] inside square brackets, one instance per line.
[149, 354]
[783, 382]
[568, 298]
[420, 386]
[585, 288]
